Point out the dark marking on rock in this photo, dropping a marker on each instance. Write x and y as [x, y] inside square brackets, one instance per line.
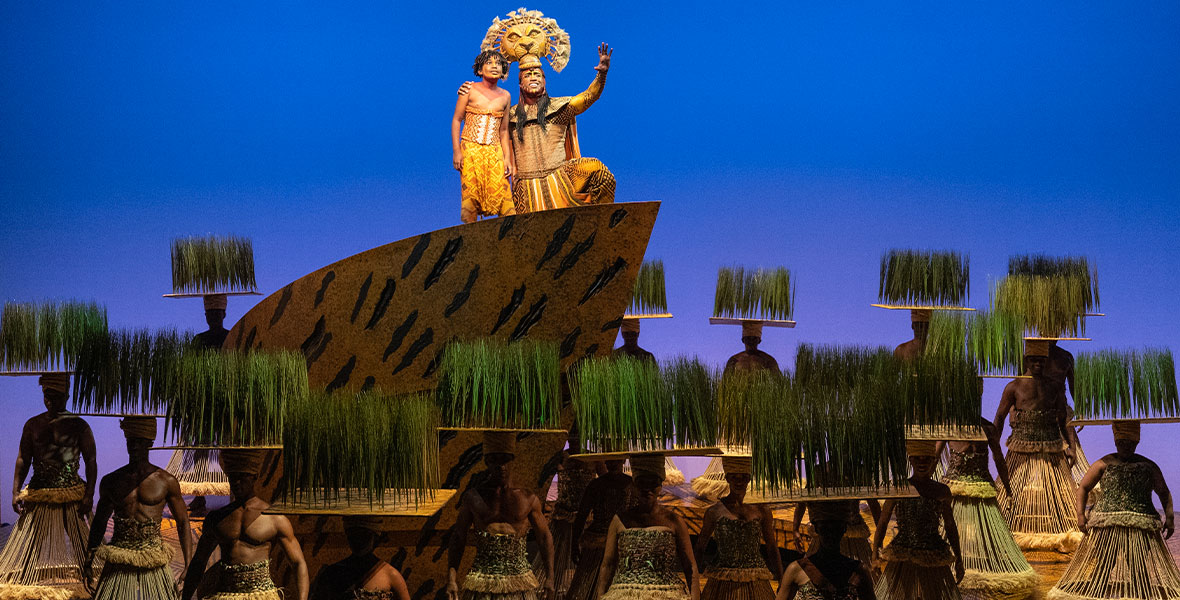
[322, 539]
[605, 276]
[342, 376]
[415, 255]
[319, 350]
[250, 338]
[617, 217]
[612, 324]
[399, 335]
[513, 304]
[434, 363]
[427, 533]
[382, 303]
[398, 559]
[319, 296]
[360, 298]
[445, 437]
[463, 295]
[590, 350]
[557, 242]
[506, 224]
[449, 252]
[570, 342]
[282, 307]
[575, 253]
[370, 381]
[416, 348]
[530, 318]
[463, 465]
[313, 340]
[424, 590]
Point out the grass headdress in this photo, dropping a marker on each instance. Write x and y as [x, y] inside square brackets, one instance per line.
[359, 452]
[127, 372]
[923, 279]
[1128, 384]
[1052, 295]
[649, 297]
[47, 336]
[992, 340]
[212, 265]
[764, 295]
[490, 384]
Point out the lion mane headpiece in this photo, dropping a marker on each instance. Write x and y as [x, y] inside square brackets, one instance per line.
[529, 33]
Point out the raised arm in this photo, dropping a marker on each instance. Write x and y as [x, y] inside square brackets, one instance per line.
[581, 102]
[456, 127]
[545, 541]
[684, 552]
[455, 551]
[610, 557]
[1161, 490]
[180, 513]
[290, 545]
[1089, 480]
[771, 540]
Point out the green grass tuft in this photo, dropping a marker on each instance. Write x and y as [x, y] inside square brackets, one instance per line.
[648, 296]
[47, 335]
[622, 404]
[923, 277]
[212, 264]
[127, 371]
[754, 294]
[1116, 384]
[488, 384]
[992, 341]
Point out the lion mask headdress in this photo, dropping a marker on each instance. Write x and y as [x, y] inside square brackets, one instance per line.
[529, 33]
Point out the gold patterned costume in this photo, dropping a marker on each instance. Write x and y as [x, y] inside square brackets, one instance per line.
[500, 570]
[44, 554]
[239, 582]
[740, 572]
[647, 567]
[549, 172]
[1123, 555]
[484, 186]
[135, 563]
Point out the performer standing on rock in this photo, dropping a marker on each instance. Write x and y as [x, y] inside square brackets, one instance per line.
[46, 549]
[482, 153]
[135, 561]
[501, 515]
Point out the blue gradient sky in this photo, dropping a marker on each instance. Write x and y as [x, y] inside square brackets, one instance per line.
[812, 136]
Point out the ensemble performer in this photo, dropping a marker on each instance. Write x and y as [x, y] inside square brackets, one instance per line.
[1040, 508]
[605, 497]
[361, 576]
[135, 561]
[1123, 554]
[46, 550]
[572, 480]
[740, 571]
[482, 153]
[245, 537]
[856, 542]
[995, 568]
[647, 544]
[501, 514]
[919, 558]
[826, 573]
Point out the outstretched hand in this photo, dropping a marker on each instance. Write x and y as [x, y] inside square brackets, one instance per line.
[604, 52]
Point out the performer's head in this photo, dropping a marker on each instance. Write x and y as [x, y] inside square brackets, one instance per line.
[751, 334]
[630, 331]
[215, 310]
[920, 322]
[829, 520]
[1034, 365]
[647, 476]
[614, 466]
[923, 456]
[56, 388]
[499, 450]
[532, 78]
[1126, 436]
[140, 433]
[490, 64]
[737, 474]
[241, 468]
[362, 534]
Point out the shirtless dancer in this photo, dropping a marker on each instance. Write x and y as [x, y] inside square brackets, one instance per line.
[135, 562]
[751, 359]
[501, 515]
[630, 332]
[920, 322]
[361, 576]
[245, 536]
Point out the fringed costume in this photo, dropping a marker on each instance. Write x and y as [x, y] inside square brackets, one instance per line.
[484, 185]
[583, 585]
[919, 557]
[571, 484]
[198, 473]
[1123, 556]
[995, 566]
[46, 549]
[1041, 513]
[239, 582]
[647, 566]
[500, 570]
[856, 543]
[740, 571]
[135, 563]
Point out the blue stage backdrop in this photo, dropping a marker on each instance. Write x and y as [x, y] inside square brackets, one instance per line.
[812, 136]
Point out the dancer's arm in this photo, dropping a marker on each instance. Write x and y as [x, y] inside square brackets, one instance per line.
[797, 522]
[952, 536]
[294, 552]
[455, 552]
[205, 547]
[684, 551]
[706, 532]
[180, 513]
[1161, 490]
[610, 557]
[771, 540]
[88, 457]
[24, 459]
[1089, 480]
[993, 443]
[882, 525]
[545, 541]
